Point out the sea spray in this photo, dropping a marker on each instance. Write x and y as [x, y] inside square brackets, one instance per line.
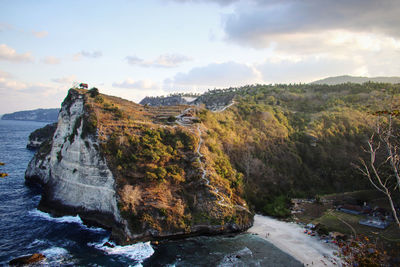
[138, 252]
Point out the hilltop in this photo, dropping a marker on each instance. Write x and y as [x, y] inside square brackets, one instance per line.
[355, 79]
[144, 172]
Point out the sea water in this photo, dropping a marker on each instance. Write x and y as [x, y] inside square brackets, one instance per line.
[66, 241]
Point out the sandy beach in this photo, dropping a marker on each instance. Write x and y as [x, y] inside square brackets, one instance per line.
[289, 237]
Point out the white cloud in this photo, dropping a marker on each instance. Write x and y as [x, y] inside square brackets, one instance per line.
[19, 95]
[257, 23]
[8, 83]
[87, 54]
[132, 84]
[307, 68]
[40, 34]
[163, 61]
[51, 60]
[215, 75]
[9, 54]
[65, 80]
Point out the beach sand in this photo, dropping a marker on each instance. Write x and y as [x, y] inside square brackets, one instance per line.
[289, 237]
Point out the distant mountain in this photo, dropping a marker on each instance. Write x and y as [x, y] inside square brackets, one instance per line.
[45, 115]
[354, 79]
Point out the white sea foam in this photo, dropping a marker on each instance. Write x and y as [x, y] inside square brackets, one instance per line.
[54, 252]
[138, 251]
[57, 256]
[233, 259]
[63, 219]
[37, 242]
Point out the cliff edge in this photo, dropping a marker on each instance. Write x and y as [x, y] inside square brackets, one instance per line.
[136, 171]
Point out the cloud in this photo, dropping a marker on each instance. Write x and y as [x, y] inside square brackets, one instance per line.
[65, 80]
[216, 75]
[9, 54]
[308, 68]
[51, 60]
[163, 61]
[8, 83]
[40, 34]
[259, 23]
[133, 60]
[132, 84]
[87, 54]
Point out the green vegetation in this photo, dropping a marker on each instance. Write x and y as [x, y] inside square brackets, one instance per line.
[93, 92]
[296, 140]
[159, 154]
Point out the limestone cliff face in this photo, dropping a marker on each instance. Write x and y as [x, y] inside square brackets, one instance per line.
[112, 164]
[75, 177]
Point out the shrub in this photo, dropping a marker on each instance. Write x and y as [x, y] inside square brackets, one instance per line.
[279, 207]
[150, 176]
[171, 119]
[99, 99]
[94, 92]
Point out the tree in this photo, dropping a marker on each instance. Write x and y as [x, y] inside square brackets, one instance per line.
[382, 167]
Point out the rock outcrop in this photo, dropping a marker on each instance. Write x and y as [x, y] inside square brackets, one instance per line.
[27, 260]
[39, 136]
[114, 164]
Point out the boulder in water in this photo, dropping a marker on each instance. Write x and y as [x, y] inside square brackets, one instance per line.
[28, 259]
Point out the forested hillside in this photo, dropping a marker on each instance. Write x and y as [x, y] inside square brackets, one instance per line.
[297, 140]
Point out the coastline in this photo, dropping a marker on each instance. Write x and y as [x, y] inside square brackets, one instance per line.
[289, 237]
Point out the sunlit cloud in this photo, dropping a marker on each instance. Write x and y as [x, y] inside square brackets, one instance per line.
[51, 60]
[215, 75]
[65, 80]
[40, 34]
[10, 54]
[137, 85]
[87, 54]
[163, 61]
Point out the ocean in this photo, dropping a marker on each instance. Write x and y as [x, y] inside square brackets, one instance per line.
[66, 241]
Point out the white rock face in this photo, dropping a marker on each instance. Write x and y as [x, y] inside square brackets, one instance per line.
[77, 174]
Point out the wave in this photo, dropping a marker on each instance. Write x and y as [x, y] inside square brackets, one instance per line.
[57, 256]
[137, 252]
[54, 252]
[234, 259]
[64, 219]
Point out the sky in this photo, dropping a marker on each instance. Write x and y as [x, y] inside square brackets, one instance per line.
[134, 49]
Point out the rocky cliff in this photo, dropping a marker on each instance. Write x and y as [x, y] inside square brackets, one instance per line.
[39, 136]
[118, 165]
